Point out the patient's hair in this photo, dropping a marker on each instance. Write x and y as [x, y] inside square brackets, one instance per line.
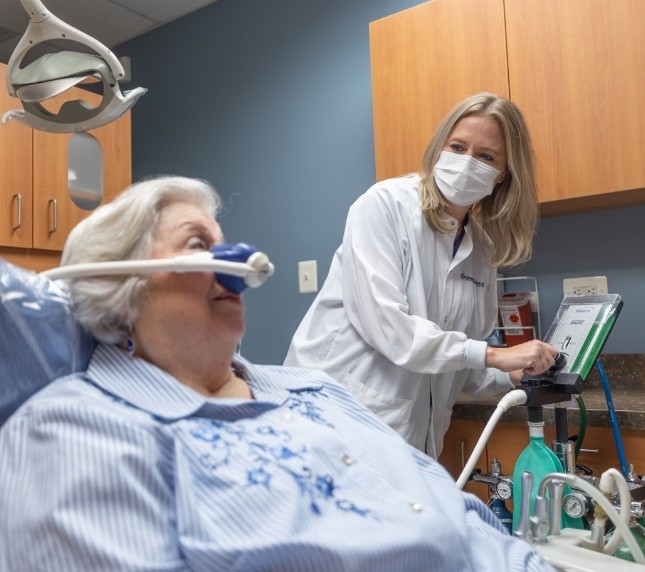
[123, 230]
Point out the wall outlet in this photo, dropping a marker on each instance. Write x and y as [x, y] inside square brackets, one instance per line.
[587, 286]
[307, 276]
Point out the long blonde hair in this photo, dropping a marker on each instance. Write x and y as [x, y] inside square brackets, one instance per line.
[509, 215]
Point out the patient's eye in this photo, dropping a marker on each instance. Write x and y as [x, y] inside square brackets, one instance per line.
[196, 243]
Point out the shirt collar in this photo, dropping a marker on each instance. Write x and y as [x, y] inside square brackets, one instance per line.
[452, 221]
[151, 389]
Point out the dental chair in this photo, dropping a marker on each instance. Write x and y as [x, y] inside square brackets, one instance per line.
[39, 338]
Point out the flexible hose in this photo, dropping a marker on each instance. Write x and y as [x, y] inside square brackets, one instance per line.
[622, 530]
[613, 418]
[607, 479]
[515, 397]
[583, 425]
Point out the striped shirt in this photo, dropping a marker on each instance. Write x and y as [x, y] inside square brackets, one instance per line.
[125, 468]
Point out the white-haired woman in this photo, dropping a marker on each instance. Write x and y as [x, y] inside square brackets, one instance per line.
[411, 293]
[173, 453]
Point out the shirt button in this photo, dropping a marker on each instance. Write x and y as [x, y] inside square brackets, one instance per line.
[445, 320]
[347, 460]
[416, 506]
[287, 417]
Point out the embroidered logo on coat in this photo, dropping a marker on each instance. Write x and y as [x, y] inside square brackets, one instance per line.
[471, 279]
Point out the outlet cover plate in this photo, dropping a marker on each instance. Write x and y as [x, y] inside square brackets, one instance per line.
[307, 276]
[585, 286]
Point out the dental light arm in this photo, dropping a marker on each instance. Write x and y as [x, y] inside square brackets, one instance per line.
[54, 73]
[236, 266]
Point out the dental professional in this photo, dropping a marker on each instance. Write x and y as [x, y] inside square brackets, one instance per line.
[173, 453]
[411, 293]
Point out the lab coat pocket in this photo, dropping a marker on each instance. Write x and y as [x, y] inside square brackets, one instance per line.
[394, 411]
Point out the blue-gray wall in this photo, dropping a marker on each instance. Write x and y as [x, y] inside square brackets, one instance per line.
[270, 100]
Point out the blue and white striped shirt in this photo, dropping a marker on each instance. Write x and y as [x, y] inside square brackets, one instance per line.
[125, 468]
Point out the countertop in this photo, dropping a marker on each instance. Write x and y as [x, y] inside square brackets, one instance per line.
[626, 375]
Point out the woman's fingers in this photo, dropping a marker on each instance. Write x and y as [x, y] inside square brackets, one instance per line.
[540, 358]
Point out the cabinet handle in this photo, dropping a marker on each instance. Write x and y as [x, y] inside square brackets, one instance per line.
[462, 446]
[590, 450]
[53, 209]
[19, 217]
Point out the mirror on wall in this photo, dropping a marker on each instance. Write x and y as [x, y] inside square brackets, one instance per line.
[85, 171]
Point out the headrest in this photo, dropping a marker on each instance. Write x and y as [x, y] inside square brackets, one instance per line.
[39, 338]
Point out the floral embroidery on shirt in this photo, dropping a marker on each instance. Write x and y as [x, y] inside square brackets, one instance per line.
[306, 407]
[271, 451]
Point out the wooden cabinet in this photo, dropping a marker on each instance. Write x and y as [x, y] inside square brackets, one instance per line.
[15, 176]
[459, 443]
[424, 60]
[576, 69]
[508, 440]
[34, 178]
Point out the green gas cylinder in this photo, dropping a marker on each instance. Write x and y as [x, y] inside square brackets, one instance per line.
[637, 528]
[539, 459]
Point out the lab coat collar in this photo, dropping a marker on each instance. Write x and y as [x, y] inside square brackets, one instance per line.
[452, 222]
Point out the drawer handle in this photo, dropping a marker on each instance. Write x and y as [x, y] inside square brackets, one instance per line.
[19, 213]
[53, 209]
[590, 451]
[463, 453]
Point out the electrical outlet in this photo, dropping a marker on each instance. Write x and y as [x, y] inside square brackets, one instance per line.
[307, 276]
[586, 286]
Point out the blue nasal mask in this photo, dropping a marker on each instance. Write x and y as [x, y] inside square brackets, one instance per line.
[241, 253]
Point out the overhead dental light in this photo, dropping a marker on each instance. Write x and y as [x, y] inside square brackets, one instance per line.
[54, 73]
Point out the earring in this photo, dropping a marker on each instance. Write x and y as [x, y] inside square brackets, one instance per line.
[129, 344]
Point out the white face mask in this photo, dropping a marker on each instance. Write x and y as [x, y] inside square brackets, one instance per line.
[462, 179]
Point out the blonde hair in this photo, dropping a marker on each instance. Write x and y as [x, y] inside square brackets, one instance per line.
[123, 230]
[509, 215]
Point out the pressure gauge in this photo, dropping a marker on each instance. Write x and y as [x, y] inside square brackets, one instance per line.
[504, 488]
[575, 505]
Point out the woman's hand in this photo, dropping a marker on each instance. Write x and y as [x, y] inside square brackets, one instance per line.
[532, 358]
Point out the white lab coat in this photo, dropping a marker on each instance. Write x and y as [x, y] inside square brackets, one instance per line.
[399, 321]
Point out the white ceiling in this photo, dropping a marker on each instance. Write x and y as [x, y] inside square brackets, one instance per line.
[111, 22]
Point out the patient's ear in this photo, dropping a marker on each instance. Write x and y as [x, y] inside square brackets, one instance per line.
[39, 338]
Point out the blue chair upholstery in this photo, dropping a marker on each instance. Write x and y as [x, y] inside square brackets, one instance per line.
[39, 338]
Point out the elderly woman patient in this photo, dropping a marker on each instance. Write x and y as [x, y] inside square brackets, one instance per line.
[171, 452]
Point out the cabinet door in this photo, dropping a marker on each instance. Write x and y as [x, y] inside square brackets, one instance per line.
[55, 214]
[600, 451]
[459, 442]
[15, 175]
[577, 71]
[425, 60]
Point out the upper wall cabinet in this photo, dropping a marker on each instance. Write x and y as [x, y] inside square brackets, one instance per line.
[424, 60]
[576, 69]
[36, 209]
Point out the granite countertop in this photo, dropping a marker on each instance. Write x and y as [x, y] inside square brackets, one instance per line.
[626, 375]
